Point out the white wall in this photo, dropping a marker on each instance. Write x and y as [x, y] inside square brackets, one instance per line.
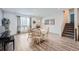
[58, 15]
[54, 13]
[0, 16]
[13, 22]
[78, 17]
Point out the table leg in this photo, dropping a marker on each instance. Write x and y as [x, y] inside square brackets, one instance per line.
[13, 45]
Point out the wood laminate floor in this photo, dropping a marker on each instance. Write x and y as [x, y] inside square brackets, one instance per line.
[54, 43]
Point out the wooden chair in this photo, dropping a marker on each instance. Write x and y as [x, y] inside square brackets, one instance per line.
[46, 34]
[36, 36]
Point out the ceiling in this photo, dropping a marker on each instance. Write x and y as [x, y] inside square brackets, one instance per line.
[43, 12]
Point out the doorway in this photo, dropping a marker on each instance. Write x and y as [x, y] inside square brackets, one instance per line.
[72, 18]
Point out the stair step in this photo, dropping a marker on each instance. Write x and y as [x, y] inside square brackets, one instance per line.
[71, 33]
[69, 26]
[66, 31]
[69, 30]
[66, 35]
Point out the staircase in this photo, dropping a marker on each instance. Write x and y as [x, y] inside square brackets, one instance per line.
[68, 30]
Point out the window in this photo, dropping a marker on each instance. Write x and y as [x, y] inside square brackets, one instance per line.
[23, 21]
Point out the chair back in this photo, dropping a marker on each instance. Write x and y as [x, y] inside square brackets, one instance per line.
[36, 32]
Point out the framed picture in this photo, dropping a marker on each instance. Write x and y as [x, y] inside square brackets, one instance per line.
[47, 22]
[50, 22]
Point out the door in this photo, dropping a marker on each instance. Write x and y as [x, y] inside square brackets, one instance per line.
[71, 18]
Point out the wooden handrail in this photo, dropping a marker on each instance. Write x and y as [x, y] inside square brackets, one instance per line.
[76, 39]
